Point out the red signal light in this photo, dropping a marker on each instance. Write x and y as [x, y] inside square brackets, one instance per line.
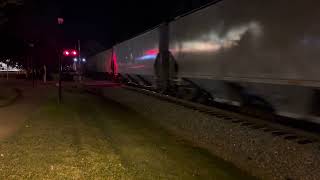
[60, 20]
[70, 53]
[66, 53]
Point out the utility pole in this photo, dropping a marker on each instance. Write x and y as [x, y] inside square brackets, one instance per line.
[8, 69]
[44, 73]
[32, 69]
[60, 74]
[60, 23]
[80, 60]
[31, 44]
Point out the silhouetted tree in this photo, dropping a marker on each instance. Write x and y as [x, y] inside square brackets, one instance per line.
[6, 7]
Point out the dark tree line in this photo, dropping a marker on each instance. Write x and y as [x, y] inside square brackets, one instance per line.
[28, 33]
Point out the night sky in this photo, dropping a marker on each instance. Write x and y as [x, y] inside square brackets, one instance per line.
[114, 20]
[98, 24]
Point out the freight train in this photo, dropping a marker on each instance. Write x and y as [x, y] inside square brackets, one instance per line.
[257, 55]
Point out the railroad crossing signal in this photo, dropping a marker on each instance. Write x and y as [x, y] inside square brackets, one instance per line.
[60, 20]
[70, 52]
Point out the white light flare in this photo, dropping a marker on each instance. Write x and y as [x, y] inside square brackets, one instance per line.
[213, 41]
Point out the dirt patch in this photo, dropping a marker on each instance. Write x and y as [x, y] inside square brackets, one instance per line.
[9, 96]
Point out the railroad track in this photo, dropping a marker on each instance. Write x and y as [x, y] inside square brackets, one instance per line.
[299, 136]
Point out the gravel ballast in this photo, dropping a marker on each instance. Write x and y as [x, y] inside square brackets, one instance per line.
[262, 152]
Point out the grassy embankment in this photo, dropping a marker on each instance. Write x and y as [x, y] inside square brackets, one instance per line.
[89, 138]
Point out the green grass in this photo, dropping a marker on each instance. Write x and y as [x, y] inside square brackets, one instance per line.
[89, 138]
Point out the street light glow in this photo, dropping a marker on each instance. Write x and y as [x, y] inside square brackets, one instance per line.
[75, 59]
[84, 60]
